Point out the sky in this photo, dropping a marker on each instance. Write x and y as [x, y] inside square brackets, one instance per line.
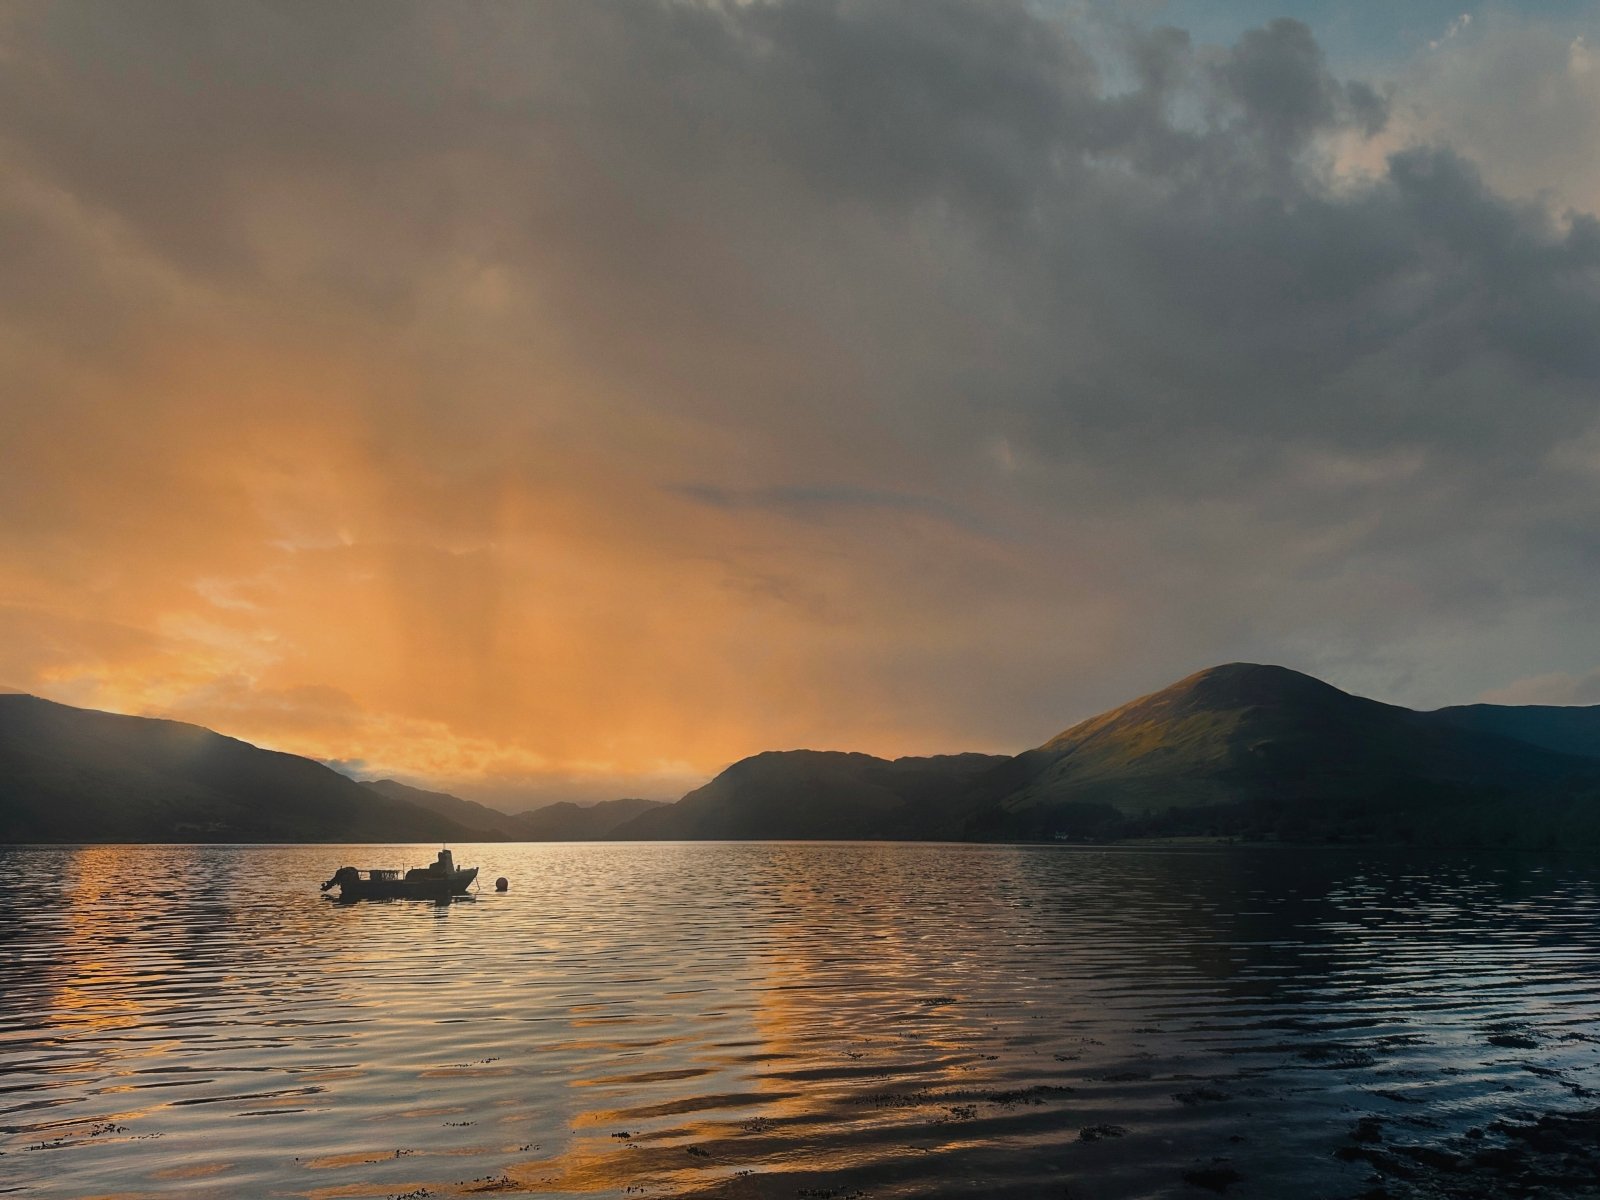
[565, 400]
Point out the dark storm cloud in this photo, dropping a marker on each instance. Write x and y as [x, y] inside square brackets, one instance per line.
[1122, 296]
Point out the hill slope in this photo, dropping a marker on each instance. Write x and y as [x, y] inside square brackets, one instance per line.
[559, 822]
[1574, 730]
[72, 774]
[1282, 748]
[568, 822]
[1242, 749]
[468, 813]
[796, 794]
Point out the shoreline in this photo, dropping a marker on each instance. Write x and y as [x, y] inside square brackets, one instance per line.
[1177, 842]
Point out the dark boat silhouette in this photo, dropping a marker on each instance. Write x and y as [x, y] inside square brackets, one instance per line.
[439, 880]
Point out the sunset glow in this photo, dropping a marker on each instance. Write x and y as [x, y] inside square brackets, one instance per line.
[564, 401]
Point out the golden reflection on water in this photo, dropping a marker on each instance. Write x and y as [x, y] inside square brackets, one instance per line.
[94, 983]
[876, 1055]
[758, 1020]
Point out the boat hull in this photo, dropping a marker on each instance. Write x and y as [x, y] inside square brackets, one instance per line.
[436, 889]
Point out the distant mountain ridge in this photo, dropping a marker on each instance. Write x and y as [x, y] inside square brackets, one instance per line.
[1240, 750]
[1243, 750]
[562, 821]
[78, 775]
[819, 794]
[565, 821]
[1569, 730]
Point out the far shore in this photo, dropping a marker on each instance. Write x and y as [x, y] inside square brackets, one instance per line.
[1196, 842]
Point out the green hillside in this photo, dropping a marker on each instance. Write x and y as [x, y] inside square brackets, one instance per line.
[1259, 749]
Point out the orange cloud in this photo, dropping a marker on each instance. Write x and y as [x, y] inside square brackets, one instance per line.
[566, 401]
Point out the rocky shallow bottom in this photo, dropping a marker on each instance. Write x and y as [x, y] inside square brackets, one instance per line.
[1556, 1154]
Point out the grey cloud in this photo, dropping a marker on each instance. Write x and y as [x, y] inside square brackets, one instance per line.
[1308, 314]
[1279, 76]
[879, 237]
[909, 99]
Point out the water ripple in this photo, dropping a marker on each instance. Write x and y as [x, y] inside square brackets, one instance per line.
[741, 1020]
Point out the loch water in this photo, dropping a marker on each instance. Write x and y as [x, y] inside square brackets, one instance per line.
[778, 1020]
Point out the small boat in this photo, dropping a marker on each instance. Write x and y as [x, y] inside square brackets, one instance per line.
[439, 880]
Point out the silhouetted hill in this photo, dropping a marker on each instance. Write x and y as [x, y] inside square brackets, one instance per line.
[568, 822]
[464, 812]
[1574, 730]
[559, 822]
[799, 794]
[77, 775]
[1261, 750]
[1241, 750]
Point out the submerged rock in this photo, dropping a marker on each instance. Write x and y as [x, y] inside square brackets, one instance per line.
[1556, 1155]
[1095, 1133]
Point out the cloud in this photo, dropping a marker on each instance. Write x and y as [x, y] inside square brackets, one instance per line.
[355, 768]
[1280, 80]
[1521, 97]
[817, 502]
[1558, 687]
[591, 391]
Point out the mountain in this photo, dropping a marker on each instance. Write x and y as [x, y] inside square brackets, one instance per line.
[1242, 750]
[559, 822]
[799, 794]
[463, 812]
[77, 775]
[568, 822]
[1574, 730]
[1252, 748]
